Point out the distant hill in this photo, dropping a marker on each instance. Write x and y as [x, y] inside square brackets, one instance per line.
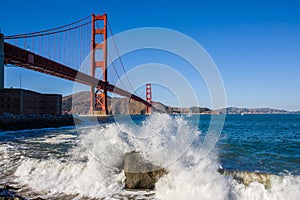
[234, 110]
[117, 106]
[81, 105]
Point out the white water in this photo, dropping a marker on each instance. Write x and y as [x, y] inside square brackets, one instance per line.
[93, 166]
[57, 139]
[205, 183]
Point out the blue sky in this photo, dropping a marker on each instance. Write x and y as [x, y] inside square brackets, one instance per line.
[255, 44]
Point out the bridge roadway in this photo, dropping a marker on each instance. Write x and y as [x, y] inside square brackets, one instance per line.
[20, 57]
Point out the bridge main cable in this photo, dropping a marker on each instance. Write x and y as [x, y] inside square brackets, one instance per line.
[20, 57]
[44, 32]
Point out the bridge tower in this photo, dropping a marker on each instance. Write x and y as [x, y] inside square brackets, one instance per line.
[148, 97]
[98, 96]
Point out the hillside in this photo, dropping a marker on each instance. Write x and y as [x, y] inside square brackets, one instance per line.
[79, 103]
[119, 106]
[234, 110]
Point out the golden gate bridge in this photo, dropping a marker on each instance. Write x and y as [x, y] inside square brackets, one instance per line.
[60, 51]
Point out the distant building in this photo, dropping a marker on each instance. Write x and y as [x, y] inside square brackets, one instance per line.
[24, 102]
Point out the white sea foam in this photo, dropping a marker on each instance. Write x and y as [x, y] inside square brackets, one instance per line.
[81, 175]
[94, 168]
[57, 139]
[73, 177]
[281, 188]
[200, 181]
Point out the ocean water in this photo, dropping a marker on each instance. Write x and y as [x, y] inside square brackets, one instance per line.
[258, 155]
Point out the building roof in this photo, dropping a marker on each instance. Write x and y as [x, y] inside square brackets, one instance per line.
[17, 90]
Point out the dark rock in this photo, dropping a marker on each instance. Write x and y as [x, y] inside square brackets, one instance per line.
[141, 174]
[5, 194]
[8, 187]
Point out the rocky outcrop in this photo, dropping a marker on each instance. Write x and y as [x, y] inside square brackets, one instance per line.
[140, 173]
[248, 177]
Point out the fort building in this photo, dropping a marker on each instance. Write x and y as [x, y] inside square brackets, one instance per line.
[25, 102]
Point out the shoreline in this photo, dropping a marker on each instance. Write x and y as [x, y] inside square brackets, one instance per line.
[16, 123]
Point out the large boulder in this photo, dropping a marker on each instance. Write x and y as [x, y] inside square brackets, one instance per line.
[140, 173]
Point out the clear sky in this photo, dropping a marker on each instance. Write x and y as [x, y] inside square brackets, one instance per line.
[255, 44]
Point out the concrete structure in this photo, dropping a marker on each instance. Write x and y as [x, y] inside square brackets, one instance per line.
[24, 102]
[1, 61]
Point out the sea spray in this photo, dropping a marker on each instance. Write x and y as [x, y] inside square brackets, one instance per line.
[201, 181]
[90, 169]
[84, 179]
[285, 187]
[195, 180]
[163, 139]
[93, 165]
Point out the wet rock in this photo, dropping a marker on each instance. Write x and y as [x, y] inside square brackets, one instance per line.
[11, 198]
[6, 194]
[140, 173]
[8, 187]
[248, 177]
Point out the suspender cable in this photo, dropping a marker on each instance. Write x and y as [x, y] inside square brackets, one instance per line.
[122, 64]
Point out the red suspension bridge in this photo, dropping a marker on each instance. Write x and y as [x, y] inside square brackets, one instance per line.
[60, 51]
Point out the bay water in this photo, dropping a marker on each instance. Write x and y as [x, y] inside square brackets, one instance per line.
[85, 162]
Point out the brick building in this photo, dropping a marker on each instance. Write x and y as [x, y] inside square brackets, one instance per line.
[24, 102]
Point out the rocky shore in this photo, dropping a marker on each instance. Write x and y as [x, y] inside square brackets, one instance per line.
[9, 193]
[143, 175]
[13, 123]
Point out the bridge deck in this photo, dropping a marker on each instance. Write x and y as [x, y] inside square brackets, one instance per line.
[20, 57]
